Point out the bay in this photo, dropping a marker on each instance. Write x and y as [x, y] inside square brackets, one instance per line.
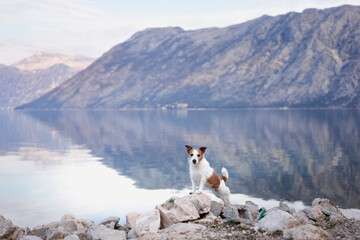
[96, 164]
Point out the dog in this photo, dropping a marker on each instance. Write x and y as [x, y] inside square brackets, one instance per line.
[202, 174]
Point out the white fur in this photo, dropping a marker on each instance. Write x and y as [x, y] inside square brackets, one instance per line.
[201, 171]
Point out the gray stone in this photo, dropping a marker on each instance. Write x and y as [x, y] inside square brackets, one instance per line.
[184, 228]
[239, 213]
[59, 230]
[216, 208]
[101, 232]
[328, 207]
[131, 219]
[276, 219]
[81, 225]
[283, 206]
[146, 223]
[177, 210]
[306, 232]
[302, 217]
[72, 237]
[231, 214]
[40, 231]
[6, 227]
[201, 201]
[32, 238]
[110, 222]
[314, 213]
[253, 207]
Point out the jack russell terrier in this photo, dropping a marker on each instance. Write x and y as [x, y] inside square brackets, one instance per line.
[202, 174]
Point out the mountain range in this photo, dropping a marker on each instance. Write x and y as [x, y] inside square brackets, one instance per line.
[32, 77]
[307, 59]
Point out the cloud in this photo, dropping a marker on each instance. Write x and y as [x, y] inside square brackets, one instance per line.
[92, 27]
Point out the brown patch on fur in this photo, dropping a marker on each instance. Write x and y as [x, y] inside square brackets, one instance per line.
[214, 180]
[224, 178]
[189, 148]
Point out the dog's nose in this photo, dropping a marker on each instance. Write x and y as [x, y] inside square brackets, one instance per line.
[194, 161]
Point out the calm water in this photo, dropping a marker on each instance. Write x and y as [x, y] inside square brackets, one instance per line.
[96, 164]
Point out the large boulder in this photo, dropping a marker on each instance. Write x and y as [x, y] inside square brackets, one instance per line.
[184, 228]
[177, 210]
[201, 201]
[276, 219]
[101, 232]
[240, 213]
[110, 222]
[131, 219]
[328, 207]
[306, 232]
[146, 223]
[216, 208]
[81, 225]
[60, 230]
[283, 206]
[8, 230]
[314, 213]
[302, 217]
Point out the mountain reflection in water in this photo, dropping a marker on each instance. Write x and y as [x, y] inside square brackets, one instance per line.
[271, 154]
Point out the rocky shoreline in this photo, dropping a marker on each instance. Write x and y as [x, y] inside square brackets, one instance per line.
[197, 217]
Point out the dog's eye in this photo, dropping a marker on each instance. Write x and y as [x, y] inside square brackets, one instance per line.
[198, 155]
[191, 154]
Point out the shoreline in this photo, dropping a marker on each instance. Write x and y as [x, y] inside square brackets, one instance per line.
[198, 217]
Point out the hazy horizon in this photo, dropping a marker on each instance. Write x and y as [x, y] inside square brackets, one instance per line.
[90, 28]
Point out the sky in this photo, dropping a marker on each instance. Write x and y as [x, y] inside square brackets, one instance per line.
[92, 27]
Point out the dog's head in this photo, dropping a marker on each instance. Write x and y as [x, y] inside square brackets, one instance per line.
[195, 155]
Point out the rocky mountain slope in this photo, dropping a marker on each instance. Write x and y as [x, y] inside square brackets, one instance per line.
[32, 77]
[308, 59]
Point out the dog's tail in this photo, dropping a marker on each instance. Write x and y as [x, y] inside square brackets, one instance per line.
[225, 174]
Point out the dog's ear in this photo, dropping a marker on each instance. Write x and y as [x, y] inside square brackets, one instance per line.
[202, 149]
[188, 148]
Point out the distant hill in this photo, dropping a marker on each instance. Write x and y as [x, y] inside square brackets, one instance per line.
[308, 59]
[32, 77]
[44, 60]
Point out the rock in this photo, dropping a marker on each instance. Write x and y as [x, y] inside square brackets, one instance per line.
[231, 214]
[201, 201]
[216, 208]
[276, 219]
[101, 232]
[253, 207]
[314, 213]
[302, 217]
[240, 213]
[60, 230]
[184, 228]
[328, 207]
[72, 237]
[40, 231]
[306, 232]
[110, 222]
[33, 238]
[351, 213]
[283, 206]
[146, 223]
[177, 210]
[81, 225]
[209, 219]
[336, 219]
[8, 230]
[131, 218]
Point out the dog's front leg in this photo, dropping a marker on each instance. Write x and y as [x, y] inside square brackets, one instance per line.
[193, 182]
[202, 184]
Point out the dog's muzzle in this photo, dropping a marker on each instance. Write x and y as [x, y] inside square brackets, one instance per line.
[194, 161]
